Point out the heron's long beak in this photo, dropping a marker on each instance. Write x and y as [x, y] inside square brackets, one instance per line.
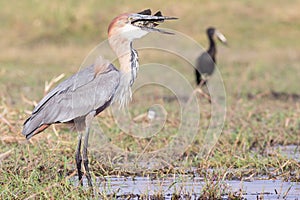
[221, 37]
[148, 22]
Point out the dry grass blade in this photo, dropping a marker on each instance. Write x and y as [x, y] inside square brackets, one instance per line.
[5, 155]
[46, 189]
[286, 193]
[11, 128]
[7, 139]
[48, 85]
[140, 117]
[26, 100]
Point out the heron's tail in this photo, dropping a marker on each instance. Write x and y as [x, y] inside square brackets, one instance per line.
[33, 125]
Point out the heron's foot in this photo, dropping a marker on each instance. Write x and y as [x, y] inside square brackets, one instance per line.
[78, 165]
[87, 172]
[85, 152]
[78, 160]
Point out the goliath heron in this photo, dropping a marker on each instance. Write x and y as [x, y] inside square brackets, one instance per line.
[81, 97]
[205, 64]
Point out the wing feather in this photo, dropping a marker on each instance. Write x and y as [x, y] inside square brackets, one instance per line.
[75, 97]
[205, 64]
[82, 77]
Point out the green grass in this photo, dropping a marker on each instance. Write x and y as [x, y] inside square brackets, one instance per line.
[41, 40]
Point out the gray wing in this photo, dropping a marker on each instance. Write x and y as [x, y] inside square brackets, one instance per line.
[75, 97]
[79, 102]
[205, 64]
[82, 77]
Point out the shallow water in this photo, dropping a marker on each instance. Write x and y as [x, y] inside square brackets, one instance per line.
[192, 187]
[184, 185]
[289, 151]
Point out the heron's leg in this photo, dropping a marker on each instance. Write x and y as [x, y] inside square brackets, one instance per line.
[85, 157]
[78, 158]
[88, 121]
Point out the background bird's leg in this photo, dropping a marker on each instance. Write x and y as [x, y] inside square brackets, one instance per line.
[88, 121]
[198, 77]
[201, 93]
[78, 158]
[202, 82]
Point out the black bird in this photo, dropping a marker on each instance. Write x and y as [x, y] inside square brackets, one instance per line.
[205, 64]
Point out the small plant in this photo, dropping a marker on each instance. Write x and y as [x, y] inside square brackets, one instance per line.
[215, 187]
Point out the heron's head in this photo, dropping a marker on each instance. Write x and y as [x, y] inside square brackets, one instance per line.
[211, 32]
[132, 26]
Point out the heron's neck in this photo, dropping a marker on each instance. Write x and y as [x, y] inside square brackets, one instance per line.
[128, 60]
[128, 63]
[127, 56]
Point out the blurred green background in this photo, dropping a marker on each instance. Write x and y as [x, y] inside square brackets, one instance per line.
[40, 40]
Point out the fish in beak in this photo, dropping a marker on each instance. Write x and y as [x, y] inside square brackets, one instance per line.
[145, 21]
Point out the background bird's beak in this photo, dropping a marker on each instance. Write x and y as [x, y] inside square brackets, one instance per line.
[147, 22]
[221, 37]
